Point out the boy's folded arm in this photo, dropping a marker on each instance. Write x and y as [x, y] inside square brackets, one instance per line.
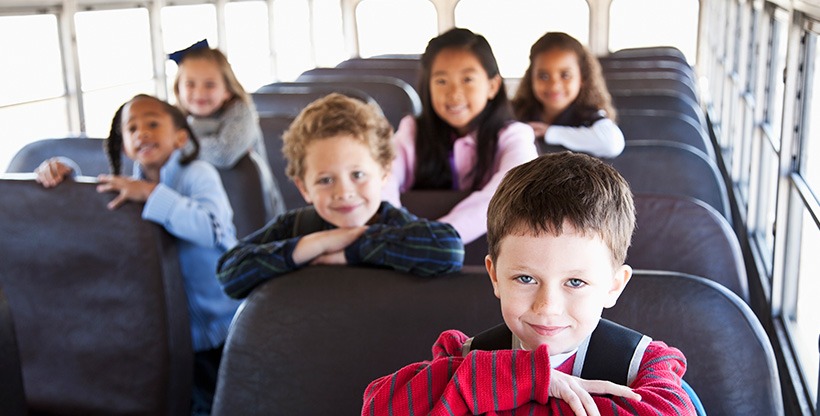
[411, 245]
[481, 382]
[658, 383]
[265, 254]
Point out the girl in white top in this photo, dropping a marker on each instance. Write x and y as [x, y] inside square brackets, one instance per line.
[564, 98]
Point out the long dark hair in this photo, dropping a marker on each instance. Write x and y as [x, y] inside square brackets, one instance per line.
[434, 135]
[593, 95]
[113, 144]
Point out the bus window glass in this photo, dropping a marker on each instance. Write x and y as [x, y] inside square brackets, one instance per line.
[532, 19]
[672, 22]
[395, 26]
[248, 41]
[23, 124]
[329, 43]
[291, 37]
[114, 47]
[776, 85]
[37, 73]
[806, 320]
[810, 154]
[115, 59]
[763, 225]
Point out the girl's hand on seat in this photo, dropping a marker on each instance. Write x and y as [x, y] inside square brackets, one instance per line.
[51, 172]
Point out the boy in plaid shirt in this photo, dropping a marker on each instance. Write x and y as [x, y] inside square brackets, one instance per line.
[339, 153]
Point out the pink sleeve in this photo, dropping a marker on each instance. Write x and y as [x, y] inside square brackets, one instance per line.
[516, 145]
[401, 175]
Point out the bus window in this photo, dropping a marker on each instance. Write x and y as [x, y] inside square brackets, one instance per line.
[291, 37]
[328, 33]
[395, 26]
[532, 18]
[805, 321]
[673, 23]
[248, 42]
[114, 50]
[33, 88]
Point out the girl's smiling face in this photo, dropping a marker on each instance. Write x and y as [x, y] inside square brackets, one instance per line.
[149, 135]
[556, 80]
[460, 87]
[202, 87]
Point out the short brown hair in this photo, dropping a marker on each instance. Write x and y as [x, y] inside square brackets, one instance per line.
[538, 196]
[332, 116]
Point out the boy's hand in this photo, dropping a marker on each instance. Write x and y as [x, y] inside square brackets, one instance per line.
[321, 243]
[577, 392]
[129, 189]
[51, 172]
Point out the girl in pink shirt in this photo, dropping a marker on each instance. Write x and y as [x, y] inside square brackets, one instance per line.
[466, 137]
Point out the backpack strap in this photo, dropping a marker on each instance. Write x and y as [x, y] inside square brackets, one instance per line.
[307, 221]
[613, 352]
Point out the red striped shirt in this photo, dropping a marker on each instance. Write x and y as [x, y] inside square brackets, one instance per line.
[509, 382]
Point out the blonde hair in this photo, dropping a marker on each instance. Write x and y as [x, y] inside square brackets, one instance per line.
[332, 116]
[221, 61]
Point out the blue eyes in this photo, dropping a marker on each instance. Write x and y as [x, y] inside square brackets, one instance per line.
[525, 279]
[529, 280]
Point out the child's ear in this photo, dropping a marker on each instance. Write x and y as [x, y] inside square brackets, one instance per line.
[488, 263]
[181, 139]
[302, 189]
[495, 85]
[619, 281]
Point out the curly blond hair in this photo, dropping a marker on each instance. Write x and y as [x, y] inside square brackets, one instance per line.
[332, 116]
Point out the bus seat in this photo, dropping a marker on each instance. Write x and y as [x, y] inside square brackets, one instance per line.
[253, 193]
[88, 153]
[666, 82]
[668, 168]
[434, 204]
[665, 125]
[611, 63]
[289, 98]
[686, 235]
[648, 99]
[730, 362]
[12, 395]
[99, 305]
[408, 74]
[309, 342]
[272, 129]
[670, 53]
[395, 97]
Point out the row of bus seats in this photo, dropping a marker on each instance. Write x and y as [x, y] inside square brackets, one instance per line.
[248, 183]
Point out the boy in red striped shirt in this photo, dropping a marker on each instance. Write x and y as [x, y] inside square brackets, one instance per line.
[558, 231]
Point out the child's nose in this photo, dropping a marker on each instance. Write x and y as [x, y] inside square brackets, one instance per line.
[548, 302]
[343, 189]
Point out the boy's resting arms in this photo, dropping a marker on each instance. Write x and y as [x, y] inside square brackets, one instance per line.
[397, 240]
[506, 382]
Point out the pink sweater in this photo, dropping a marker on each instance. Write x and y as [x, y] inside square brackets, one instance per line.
[507, 382]
[516, 145]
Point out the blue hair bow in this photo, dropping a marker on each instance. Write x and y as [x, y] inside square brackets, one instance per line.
[180, 54]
